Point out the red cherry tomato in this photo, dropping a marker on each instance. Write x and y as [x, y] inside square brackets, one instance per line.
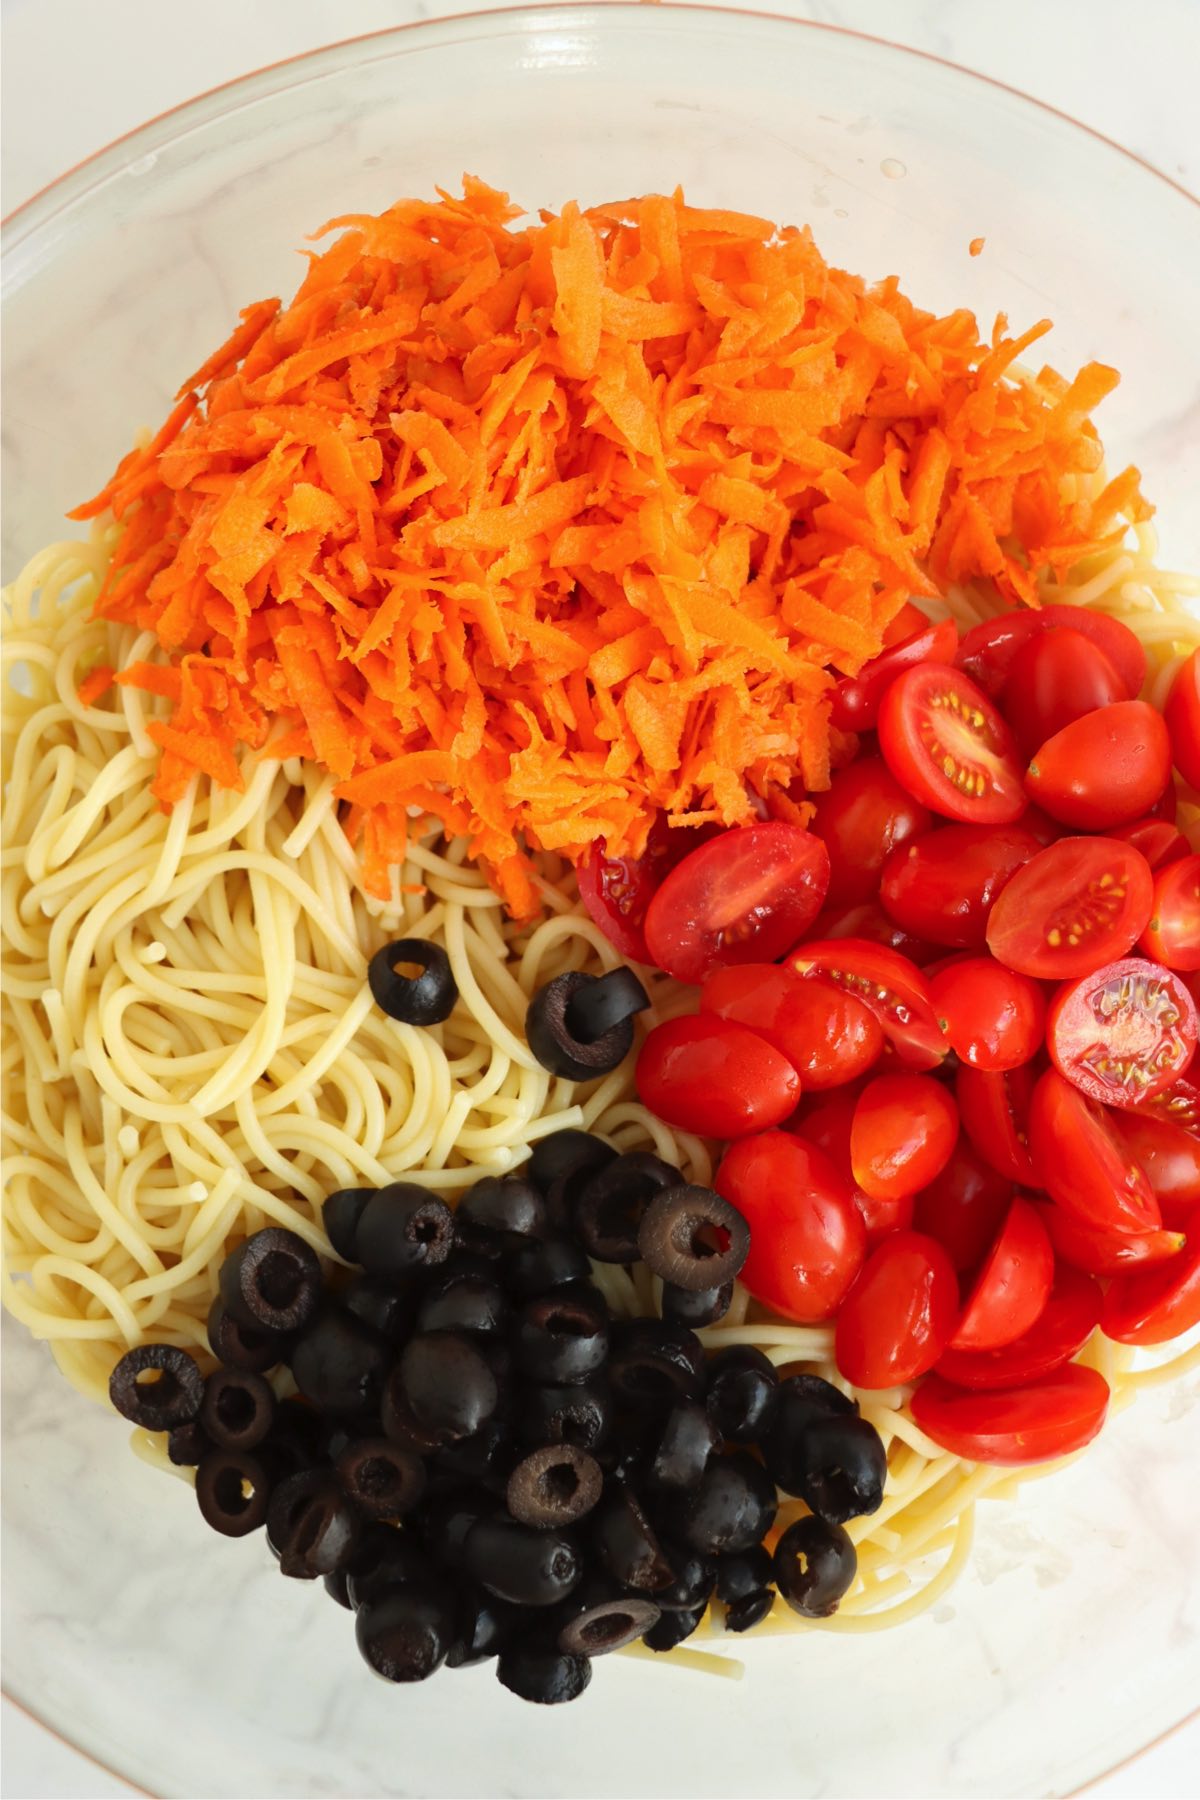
[944, 740]
[720, 1080]
[1046, 1418]
[1061, 1329]
[994, 1110]
[807, 1240]
[987, 650]
[1100, 1252]
[1082, 1163]
[1104, 769]
[1079, 903]
[1125, 1032]
[1157, 1304]
[1182, 714]
[904, 1132]
[827, 1035]
[827, 1125]
[1013, 1285]
[992, 1017]
[1055, 678]
[900, 1313]
[887, 984]
[1040, 825]
[1169, 1157]
[855, 702]
[1159, 841]
[617, 889]
[942, 886]
[747, 896]
[869, 921]
[1173, 935]
[964, 1207]
[864, 815]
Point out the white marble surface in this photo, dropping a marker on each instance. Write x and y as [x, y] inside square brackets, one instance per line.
[79, 72]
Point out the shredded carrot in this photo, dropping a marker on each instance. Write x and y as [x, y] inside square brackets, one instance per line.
[545, 528]
[975, 247]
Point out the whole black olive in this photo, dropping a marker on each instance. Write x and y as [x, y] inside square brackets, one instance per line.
[403, 1228]
[424, 997]
[693, 1238]
[562, 1336]
[742, 1392]
[405, 1634]
[273, 1280]
[447, 1384]
[732, 1506]
[799, 1402]
[815, 1564]
[521, 1564]
[157, 1386]
[611, 1203]
[340, 1364]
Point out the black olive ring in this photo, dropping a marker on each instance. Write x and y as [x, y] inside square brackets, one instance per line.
[678, 1233]
[424, 999]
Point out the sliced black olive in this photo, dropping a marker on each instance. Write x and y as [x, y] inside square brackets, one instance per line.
[599, 1617]
[540, 1265]
[238, 1408]
[696, 1309]
[545, 1676]
[844, 1468]
[188, 1444]
[521, 1564]
[295, 1441]
[485, 1625]
[562, 1336]
[604, 1002]
[402, 1228]
[653, 1365]
[554, 1487]
[484, 1458]
[695, 1578]
[447, 1384]
[743, 1388]
[673, 1628]
[815, 1565]
[472, 1304]
[554, 1043]
[743, 1572]
[686, 1443]
[382, 1480]
[566, 1153]
[272, 1280]
[612, 1202]
[732, 1506]
[627, 1544]
[386, 1306]
[340, 1214]
[157, 1386]
[400, 1423]
[498, 1212]
[406, 1634]
[581, 1415]
[311, 1526]
[336, 1585]
[243, 1346]
[693, 1238]
[750, 1610]
[799, 1402]
[446, 1520]
[422, 999]
[340, 1364]
[233, 1490]
[385, 1558]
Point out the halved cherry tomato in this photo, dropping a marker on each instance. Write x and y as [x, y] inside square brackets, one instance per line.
[828, 1125]
[720, 1080]
[944, 740]
[1102, 1252]
[1167, 805]
[1082, 1163]
[1124, 1033]
[987, 650]
[964, 1207]
[904, 1132]
[747, 896]
[994, 1110]
[869, 921]
[1104, 769]
[1156, 1304]
[1054, 678]
[887, 984]
[1159, 841]
[864, 815]
[1062, 1328]
[827, 1035]
[1046, 1418]
[1169, 1157]
[854, 704]
[617, 889]
[900, 1313]
[1078, 903]
[1182, 713]
[1173, 935]
[1040, 825]
[807, 1240]
[993, 1018]
[1178, 1105]
[1013, 1285]
[942, 886]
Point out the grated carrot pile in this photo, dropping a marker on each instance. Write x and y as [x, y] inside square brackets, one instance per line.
[543, 529]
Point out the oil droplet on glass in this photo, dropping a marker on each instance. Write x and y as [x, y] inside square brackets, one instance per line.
[142, 165]
[893, 168]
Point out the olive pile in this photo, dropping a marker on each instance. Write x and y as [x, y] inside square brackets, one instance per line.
[481, 1459]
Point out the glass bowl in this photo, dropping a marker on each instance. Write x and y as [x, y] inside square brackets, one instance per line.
[180, 1659]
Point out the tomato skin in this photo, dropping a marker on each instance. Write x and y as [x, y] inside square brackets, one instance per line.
[1169, 1157]
[993, 1018]
[1046, 1418]
[869, 921]
[1055, 678]
[1124, 1033]
[827, 1035]
[887, 984]
[1172, 936]
[942, 886]
[807, 1239]
[933, 713]
[987, 650]
[994, 1110]
[1159, 841]
[1182, 714]
[617, 890]
[903, 1135]
[828, 1125]
[1157, 1304]
[1104, 769]
[864, 814]
[854, 704]
[1082, 1163]
[1090, 889]
[900, 1313]
[1013, 1285]
[964, 1207]
[1063, 1327]
[717, 1079]
[1100, 1252]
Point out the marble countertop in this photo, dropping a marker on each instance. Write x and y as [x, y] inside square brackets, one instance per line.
[79, 73]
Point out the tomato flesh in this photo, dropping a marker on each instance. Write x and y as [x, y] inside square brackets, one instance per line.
[705, 1075]
[1182, 714]
[1172, 936]
[993, 1018]
[1104, 769]
[828, 1125]
[1178, 1105]
[1124, 1033]
[987, 650]
[1158, 1304]
[887, 984]
[807, 1239]
[854, 704]
[1055, 678]
[900, 1313]
[1079, 903]
[864, 814]
[1083, 1164]
[994, 1109]
[1013, 1285]
[942, 886]
[1169, 1157]
[747, 896]
[1046, 1418]
[903, 1135]
[1159, 840]
[964, 1207]
[1063, 1327]
[616, 890]
[945, 742]
[827, 1035]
